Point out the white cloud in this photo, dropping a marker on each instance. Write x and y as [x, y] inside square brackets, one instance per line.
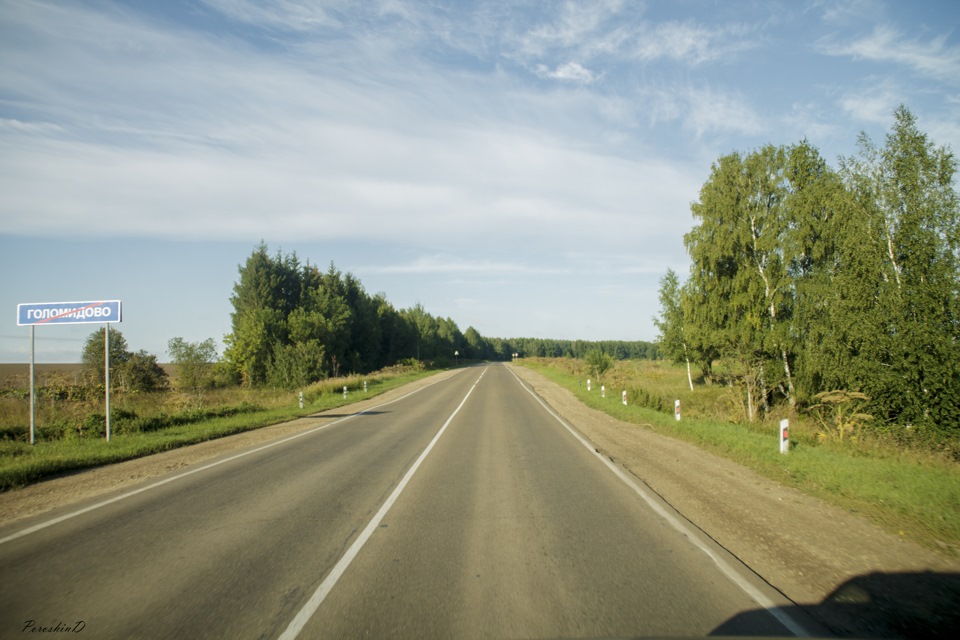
[455, 265]
[712, 111]
[933, 58]
[575, 24]
[808, 120]
[873, 103]
[945, 131]
[848, 11]
[217, 140]
[572, 71]
[286, 14]
[617, 31]
[691, 43]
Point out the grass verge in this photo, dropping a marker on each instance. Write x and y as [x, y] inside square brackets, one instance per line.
[22, 463]
[905, 492]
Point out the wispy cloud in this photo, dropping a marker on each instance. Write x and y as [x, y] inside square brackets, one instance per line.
[286, 14]
[706, 110]
[619, 32]
[692, 43]
[874, 101]
[455, 265]
[218, 139]
[933, 57]
[848, 12]
[575, 24]
[572, 71]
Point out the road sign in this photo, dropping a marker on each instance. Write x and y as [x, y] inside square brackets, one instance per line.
[37, 313]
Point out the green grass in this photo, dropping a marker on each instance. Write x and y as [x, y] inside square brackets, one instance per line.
[908, 492]
[22, 463]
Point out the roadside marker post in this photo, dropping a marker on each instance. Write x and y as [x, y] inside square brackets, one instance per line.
[588, 384]
[624, 397]
[676, 409]
[301, 399]
[603, 391]
[344, 392]
[35, 313]
[785, 436]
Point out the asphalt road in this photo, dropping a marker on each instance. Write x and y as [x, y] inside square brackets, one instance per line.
[466, 509]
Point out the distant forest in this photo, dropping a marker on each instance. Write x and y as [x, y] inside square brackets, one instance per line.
[817, 286]
[293, 324]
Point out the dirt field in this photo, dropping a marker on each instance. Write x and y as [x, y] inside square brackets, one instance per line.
[17, 374]
[851, 575]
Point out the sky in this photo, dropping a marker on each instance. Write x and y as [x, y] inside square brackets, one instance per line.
[525, 168]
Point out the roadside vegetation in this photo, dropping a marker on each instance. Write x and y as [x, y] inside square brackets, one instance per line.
[70, 420]
[832, 290]
[906, 481]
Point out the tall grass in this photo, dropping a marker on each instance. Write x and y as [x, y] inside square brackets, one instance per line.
[908, 491]
[70, 434]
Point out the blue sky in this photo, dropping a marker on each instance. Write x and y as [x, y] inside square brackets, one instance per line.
[525, 168]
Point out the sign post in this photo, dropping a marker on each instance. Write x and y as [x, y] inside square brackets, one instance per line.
[32, 401]
[44, 313]
[106, 373]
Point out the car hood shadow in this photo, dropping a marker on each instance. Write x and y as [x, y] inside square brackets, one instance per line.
[874, 605]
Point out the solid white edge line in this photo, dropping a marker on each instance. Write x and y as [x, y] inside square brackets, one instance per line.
[303, 616]
[93, 507]
[763, 601]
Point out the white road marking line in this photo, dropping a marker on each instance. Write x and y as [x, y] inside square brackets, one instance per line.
[771, 607]
[74, 514]
[303, 616]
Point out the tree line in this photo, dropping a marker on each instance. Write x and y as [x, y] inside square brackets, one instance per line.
[805, 279]
[294, 324]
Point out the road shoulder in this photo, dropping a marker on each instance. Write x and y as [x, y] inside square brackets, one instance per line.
[820, 556]
[42, 497]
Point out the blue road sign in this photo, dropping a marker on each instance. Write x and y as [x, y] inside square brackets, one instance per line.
[35, 313]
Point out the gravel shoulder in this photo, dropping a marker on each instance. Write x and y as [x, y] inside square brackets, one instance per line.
[843, 570]
[848, 573]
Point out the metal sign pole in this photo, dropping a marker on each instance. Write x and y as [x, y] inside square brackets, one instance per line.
[106, 349]
[32, 387]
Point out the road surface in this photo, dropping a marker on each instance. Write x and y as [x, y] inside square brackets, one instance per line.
[465, 509]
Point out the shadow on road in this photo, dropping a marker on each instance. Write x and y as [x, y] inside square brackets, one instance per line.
[347, 415]
[875, 605]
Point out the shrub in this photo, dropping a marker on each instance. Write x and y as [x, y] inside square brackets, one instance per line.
[643, 398]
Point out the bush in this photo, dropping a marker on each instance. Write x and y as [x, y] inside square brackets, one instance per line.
[643, 398]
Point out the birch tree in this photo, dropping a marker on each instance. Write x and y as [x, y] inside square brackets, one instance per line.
[670, 323]
[907, 194]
